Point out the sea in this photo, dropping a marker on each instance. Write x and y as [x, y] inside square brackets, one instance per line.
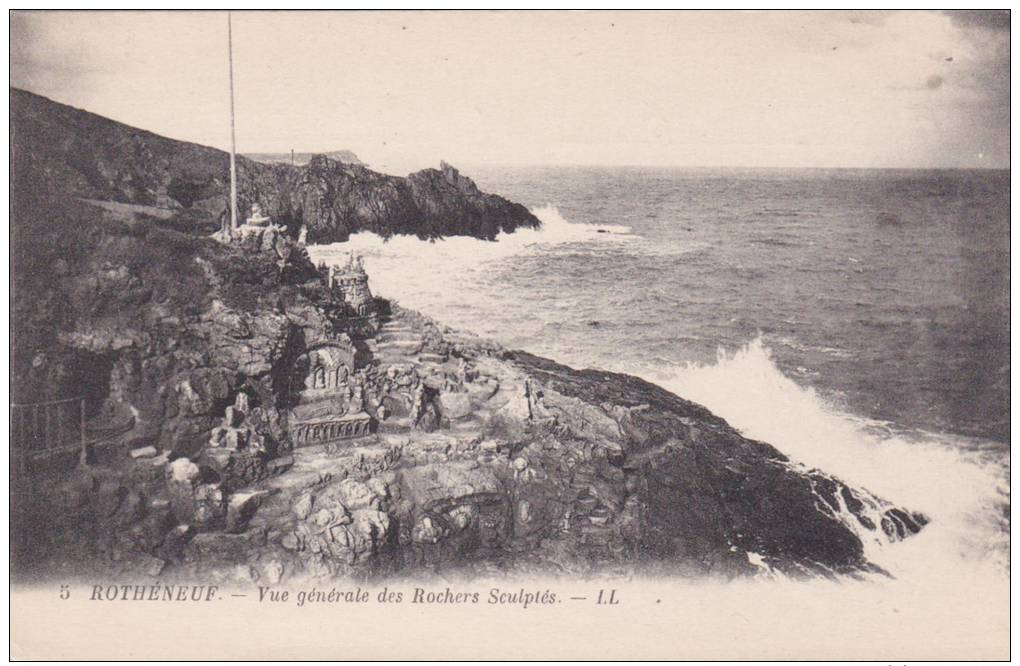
[857, 320]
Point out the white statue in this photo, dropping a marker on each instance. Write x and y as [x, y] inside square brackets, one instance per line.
[357, 403]
[257, 219]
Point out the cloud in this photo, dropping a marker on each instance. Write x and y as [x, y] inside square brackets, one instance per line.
[863, 88]
[40, 61]
[993, 19]
[868, 17]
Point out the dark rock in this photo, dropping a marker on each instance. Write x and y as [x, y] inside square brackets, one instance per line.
[702, 495]
[184, 186]
[235, 469]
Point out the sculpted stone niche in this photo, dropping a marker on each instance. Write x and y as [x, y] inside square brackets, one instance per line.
[328, 396]
[348, 283]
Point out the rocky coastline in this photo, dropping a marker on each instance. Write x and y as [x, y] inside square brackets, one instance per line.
[249, 416]
[450, 453]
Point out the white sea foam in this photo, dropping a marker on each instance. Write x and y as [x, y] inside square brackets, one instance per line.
[460, 252]
[958, 563]
[450, 278]
[947, 478]
[954, 574]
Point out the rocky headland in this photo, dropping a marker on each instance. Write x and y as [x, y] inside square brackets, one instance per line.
[66, 152]
[345, 156]
[253, 417]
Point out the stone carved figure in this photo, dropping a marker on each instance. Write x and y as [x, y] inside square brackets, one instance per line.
[330, 400]
[417, 404]
[327, 368]
[357, 402]
[257, 218]
[237, 430]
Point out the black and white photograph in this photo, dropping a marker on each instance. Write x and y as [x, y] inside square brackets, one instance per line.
[509, 334]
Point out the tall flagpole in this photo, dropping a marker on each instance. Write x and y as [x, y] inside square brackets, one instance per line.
[233, 147]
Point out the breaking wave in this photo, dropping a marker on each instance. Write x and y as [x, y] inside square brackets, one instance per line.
[433, 275]
[459, 252]
[533, 290]
[961, 484]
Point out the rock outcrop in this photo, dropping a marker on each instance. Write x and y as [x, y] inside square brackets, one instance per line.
[268, 440]
[480, 457]
[69, 152]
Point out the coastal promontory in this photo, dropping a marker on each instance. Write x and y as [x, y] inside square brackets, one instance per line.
[246, 415]
[63, 151]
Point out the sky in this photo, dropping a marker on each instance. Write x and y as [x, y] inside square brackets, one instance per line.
[404, 90]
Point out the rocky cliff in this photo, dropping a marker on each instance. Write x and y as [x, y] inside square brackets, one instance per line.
[241, 425]
[65, 152]
[479, 458]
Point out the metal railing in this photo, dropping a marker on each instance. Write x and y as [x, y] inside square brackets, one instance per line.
[45, 428]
